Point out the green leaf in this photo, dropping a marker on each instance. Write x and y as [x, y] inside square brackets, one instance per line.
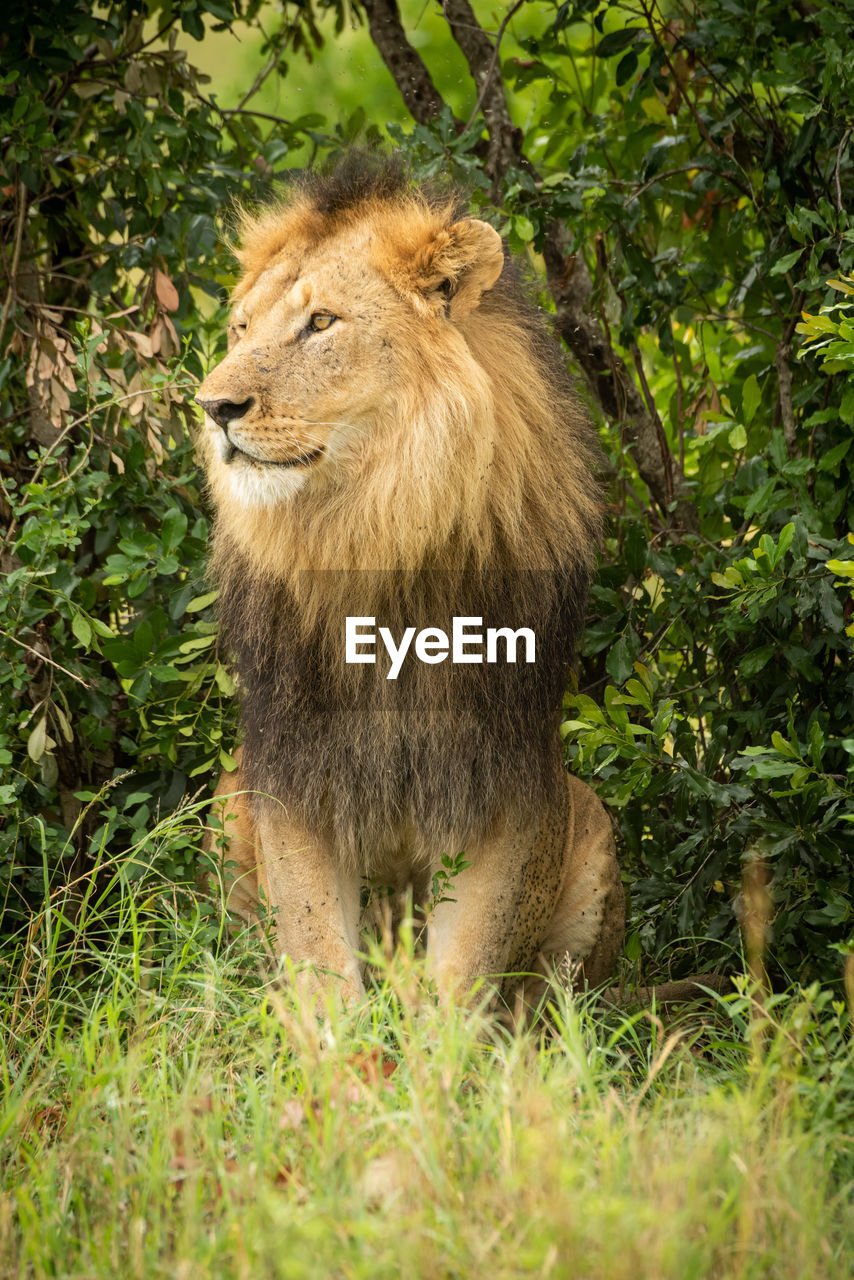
[768, 768]
[785, 748]
[172, 529]
[737, 437]
[224, 682]
[784, 542]
[760, 500]
[627, 67]
[82, 630]
[617, 712]
[523, 227]
[37, 741]
[633, 947]
[753, 662]
[831, 607]
[64, 726]
[196, 643]
[48, 768]
[570, 726]
[201, 602]
[782, 265]
[616, 41]
[620, 660]
[750, 398]
[635, 548]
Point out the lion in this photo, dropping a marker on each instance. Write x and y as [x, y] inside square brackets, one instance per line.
[392, 442]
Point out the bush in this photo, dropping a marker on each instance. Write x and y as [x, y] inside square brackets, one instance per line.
[682, 182]
[114, 704]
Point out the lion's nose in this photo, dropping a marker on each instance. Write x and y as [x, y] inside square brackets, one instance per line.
[225, 411]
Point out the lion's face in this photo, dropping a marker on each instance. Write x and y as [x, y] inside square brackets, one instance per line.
[320, 342]
[308, 365]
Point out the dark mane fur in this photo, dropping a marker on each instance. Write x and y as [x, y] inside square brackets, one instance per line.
[360, 177]
[441, 751]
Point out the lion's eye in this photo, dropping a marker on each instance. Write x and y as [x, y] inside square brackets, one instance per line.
[321, 320]
[236, 330]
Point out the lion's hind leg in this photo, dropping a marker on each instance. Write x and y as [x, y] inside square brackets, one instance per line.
[588, 920]
[534, 895]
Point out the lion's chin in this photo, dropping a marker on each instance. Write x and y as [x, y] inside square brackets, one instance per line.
[260, 486]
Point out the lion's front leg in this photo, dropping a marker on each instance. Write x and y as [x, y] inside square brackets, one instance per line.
[236, 846]
[317, 901]
[502, 904]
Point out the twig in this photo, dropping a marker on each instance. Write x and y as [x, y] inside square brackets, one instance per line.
[490, 70]
[44, 658]
[687, 168]
[666, 456]
[680, 425]
[16, 257]
[260, 78]
[840, 151]
[784, 383]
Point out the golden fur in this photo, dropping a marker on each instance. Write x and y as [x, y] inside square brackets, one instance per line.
[393, 434]
[454, 437]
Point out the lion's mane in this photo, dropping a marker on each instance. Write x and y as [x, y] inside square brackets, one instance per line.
[487, 508]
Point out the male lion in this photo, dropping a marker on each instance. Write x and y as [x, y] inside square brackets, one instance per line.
[392, 438]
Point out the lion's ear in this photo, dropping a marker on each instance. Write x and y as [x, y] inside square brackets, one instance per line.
[458, 267]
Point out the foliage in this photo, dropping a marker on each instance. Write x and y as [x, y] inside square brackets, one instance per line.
[119, 170]
[697, 160]
[713, 182]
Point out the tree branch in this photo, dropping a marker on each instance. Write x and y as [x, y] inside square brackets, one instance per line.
[422, 98]
[20, 219]
[606, 374]
[665, 993]
[505, 140]
[782, 355]
[490, 70]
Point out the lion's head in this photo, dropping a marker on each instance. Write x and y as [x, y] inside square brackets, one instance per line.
[388, 397]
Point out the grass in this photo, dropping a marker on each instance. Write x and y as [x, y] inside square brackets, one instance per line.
[168, 1110]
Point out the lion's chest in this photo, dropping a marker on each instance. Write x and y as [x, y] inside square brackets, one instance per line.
[400, 769]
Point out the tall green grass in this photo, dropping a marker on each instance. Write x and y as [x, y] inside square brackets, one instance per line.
[170, 1109]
